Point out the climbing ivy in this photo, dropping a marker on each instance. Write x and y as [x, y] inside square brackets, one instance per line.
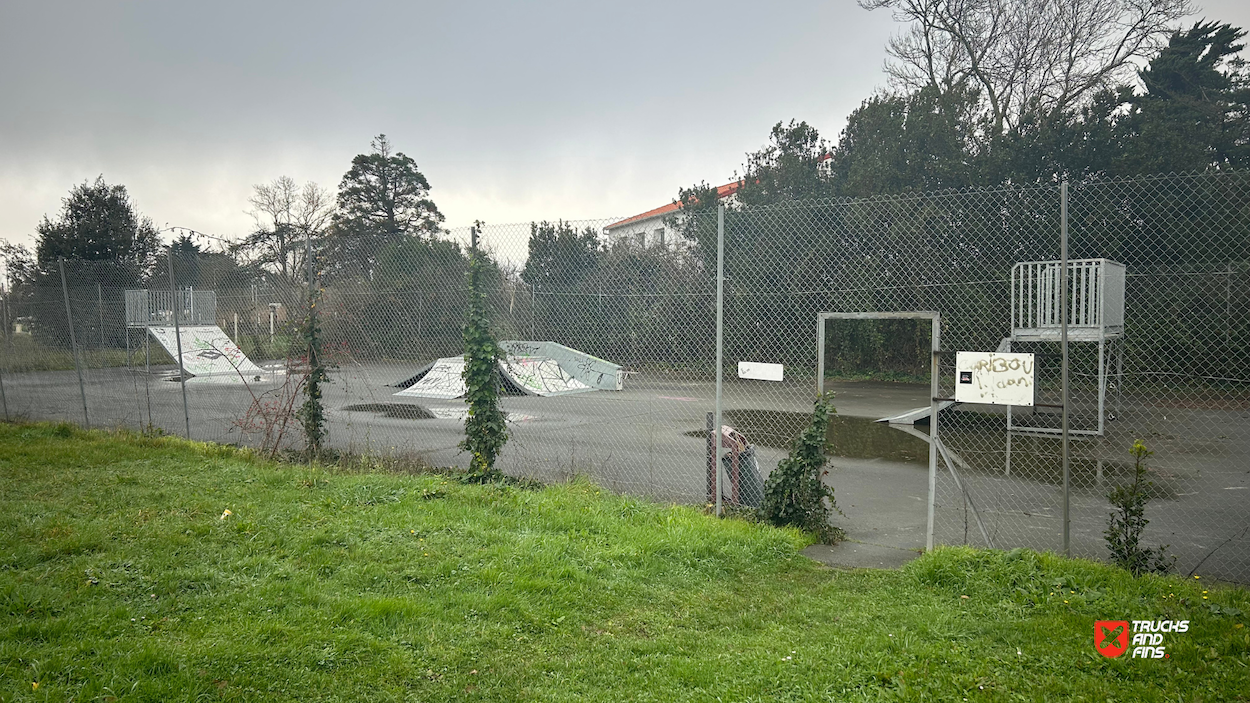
[312, 412]
[484, 430]
[794, 494]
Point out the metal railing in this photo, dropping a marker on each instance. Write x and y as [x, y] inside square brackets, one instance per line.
[156, 307]
[1095, 296]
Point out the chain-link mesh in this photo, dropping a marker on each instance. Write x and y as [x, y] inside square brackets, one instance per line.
[1170, 366]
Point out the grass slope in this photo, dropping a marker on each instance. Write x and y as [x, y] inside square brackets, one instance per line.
[119, 580]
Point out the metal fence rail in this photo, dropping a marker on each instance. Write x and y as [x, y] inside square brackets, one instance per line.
[157, 307]
[1158, 288]
[1095, 296]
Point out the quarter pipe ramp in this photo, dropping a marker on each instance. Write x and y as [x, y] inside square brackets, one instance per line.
[533, 368]
[208, 354]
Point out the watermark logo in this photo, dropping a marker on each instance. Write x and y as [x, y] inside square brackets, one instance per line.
[1111, 637]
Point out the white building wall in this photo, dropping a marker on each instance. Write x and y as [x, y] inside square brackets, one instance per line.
[655, 231]
[651, 233]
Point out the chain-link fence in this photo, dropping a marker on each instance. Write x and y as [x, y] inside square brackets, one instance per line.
[1159, 350]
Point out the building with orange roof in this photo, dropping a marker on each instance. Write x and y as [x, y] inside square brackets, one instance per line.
[659, 227]
[656, 228]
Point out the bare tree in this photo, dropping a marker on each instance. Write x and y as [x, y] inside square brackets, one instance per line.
[1023, 55]
[285, 214]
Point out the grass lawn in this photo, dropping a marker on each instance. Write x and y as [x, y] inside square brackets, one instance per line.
[120, 580]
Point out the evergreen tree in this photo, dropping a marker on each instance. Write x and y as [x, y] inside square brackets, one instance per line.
[559, 256]
[787, 168]
[1195, 112]
[98, 222]
[382, 198]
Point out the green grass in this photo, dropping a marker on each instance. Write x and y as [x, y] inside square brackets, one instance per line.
[22, 352]
[119, 580]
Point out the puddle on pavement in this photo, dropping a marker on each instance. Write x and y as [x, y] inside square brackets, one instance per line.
[405, 411]
[850, 437]
[977, 446]
[402, 411]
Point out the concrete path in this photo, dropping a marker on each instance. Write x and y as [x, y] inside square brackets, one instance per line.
[883, 514]
[850, 554]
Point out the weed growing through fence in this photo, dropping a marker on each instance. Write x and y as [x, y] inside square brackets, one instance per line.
[272, 414]
[484, 430]
[794, 494]
[1128, 520]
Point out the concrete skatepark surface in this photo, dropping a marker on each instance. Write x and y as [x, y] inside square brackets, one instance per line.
[639, 441]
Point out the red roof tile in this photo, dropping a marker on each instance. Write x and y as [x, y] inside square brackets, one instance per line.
[721, 192]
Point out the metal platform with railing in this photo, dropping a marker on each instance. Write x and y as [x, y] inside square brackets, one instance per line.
[1095, 300]
[1095, 315]
[147, 308]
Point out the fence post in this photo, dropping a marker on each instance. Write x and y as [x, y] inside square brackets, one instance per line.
[308, 261]
[182, 372]
[720, 340]
[73, 345]
[711, 457]
[4, 398]
[1228, 309]
[313, 439]
[1063, 337]
[99, 302]
[935, 411]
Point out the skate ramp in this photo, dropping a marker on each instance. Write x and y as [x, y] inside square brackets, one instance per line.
[540, 375]
[208, 355]
[531, 375]
[586, 369]
[442, 379]
[533, 368]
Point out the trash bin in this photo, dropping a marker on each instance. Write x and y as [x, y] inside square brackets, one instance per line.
[744, 485]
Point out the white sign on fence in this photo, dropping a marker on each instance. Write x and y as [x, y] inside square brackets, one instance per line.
[994, 378]
[761, 371]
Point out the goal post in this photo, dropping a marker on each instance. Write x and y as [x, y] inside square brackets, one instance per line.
[935, 320]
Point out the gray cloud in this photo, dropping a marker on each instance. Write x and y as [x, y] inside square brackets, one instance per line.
[514, 111]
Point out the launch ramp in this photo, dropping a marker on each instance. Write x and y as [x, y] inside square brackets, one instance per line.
[533, 368]
[588, 370]
[442, 379]
[531, 375]
[207, 354]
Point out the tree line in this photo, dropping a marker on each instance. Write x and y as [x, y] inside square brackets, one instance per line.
[933, 188]
[377, 236]
[945, 181]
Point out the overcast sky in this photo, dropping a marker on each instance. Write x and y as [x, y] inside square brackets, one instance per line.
[513, 111]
